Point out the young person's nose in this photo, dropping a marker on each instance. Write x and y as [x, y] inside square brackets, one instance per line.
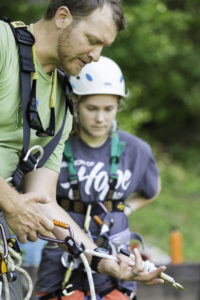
[100, 116]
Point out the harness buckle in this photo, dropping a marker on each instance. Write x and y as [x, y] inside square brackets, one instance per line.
[22, 34]
[66, 291]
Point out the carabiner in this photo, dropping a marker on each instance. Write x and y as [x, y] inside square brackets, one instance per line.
[41, 151]
[36, 147]
[59, 224]
[52, 240]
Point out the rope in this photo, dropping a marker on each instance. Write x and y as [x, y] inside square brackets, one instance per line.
[147, 267]
[11, 267]
[89, 276]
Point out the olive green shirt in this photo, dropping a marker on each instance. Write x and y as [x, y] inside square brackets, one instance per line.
[11, 131]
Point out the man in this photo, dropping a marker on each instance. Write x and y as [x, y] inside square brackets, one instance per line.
[71, 34]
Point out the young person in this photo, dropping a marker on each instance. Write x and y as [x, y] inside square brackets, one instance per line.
[103, 168]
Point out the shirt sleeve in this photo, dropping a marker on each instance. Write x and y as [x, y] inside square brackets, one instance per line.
[148, 185]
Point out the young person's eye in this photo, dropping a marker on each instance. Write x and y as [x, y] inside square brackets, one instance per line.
[90, 108]
[109, 108]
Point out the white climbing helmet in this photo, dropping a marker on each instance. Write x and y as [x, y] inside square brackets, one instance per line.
[102, 77]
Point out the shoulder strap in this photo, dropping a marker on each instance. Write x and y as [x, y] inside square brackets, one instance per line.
[70, 159]
[49, 148]
[116, 150]
[25, 41]
[72, 173]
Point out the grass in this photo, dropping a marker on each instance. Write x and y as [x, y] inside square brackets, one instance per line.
[177, 205]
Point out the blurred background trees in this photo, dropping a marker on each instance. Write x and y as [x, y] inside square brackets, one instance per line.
[160, 58]
[159, 53]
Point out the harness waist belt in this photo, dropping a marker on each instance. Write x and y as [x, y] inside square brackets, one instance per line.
[81, 207]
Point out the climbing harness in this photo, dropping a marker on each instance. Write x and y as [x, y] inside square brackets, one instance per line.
[9, 254]
[95, 208]
[79, 250]
[77, 205]
[25, 41]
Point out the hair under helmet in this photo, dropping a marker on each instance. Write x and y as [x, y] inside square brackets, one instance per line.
[102, 77]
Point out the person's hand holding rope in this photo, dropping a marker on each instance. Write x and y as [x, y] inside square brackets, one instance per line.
[123, 270]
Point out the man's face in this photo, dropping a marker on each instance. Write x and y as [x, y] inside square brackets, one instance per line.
[82, 43]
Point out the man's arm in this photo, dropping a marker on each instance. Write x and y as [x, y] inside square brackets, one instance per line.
[44, 181]
[137, 201]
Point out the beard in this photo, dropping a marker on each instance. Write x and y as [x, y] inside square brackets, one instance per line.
[66, 58]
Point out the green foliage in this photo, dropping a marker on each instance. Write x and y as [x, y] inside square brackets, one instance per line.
[27, 11]
[159, 56]
[176, 206]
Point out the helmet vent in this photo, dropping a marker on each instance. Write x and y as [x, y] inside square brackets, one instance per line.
[89, 77]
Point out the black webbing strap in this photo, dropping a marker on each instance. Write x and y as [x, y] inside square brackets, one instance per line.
[72, 174]
[81, 207]
[29, 165]
[49, 148]
[25, 41]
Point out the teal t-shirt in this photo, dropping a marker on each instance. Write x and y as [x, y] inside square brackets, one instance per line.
[11, 131]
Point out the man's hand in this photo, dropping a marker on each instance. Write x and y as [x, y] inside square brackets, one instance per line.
[24, 217]
[124, 271]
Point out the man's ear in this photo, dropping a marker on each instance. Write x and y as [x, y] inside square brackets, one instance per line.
[63, 17]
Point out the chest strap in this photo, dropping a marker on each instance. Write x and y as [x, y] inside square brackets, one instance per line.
[25, 41]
